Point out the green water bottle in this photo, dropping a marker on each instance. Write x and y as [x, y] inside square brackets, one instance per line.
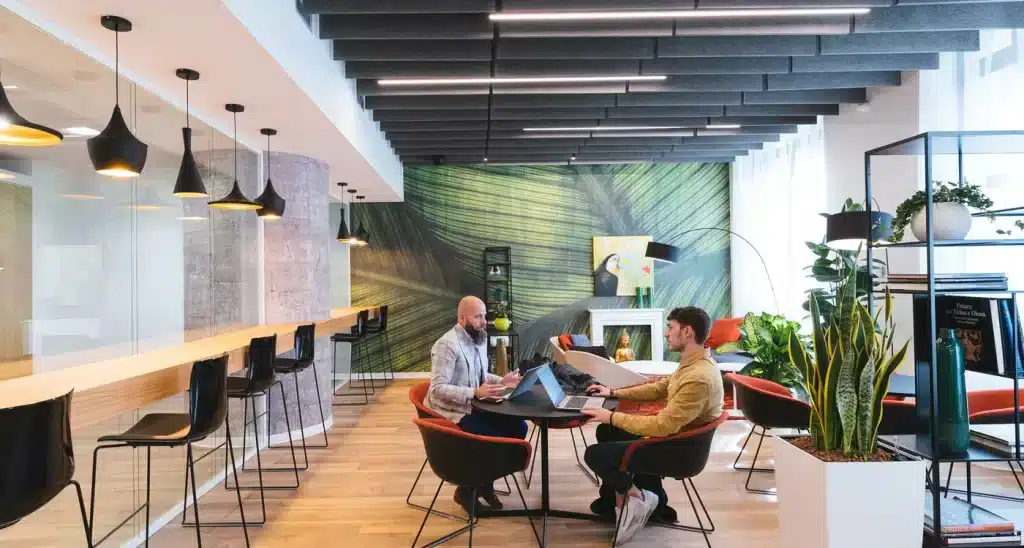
[954, 427]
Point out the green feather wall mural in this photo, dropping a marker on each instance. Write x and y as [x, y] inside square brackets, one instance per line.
[427, 252]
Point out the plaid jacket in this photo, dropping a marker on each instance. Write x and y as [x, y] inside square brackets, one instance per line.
[458, 368]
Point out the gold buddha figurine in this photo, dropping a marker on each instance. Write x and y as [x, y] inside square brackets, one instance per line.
[624, 353]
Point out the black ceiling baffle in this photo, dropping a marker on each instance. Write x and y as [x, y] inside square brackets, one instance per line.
[536, 85]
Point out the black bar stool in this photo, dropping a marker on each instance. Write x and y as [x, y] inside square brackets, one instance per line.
[259, 380]
[305, 336]
[356, 336]
[379, 328]
[207, 411]
[36, 459]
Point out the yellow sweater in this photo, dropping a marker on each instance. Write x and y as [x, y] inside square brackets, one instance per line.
[693, 396]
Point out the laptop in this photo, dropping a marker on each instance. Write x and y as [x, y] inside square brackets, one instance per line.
[525, 384]
[557, 395]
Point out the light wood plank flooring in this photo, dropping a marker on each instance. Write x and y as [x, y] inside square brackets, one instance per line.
[354, 494]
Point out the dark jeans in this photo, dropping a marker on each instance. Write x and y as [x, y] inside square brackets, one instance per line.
[605, 459]
[490, 424]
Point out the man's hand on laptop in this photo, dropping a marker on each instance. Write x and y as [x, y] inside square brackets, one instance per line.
[511, 379]
[598, 390]
[489, 391]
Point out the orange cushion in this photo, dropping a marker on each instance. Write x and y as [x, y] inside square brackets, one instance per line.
[564, 341]
[723, 331]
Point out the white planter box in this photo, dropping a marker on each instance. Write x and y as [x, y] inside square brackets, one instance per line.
[847, 504]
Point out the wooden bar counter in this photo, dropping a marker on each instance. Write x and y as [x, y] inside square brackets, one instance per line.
[107, 388]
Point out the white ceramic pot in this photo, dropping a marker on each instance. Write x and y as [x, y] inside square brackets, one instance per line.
[847, 504]
[952, 222]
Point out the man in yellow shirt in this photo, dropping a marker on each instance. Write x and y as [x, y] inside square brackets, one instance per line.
[693, 397]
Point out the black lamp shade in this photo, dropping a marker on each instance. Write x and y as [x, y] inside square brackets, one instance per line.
[115, 152]
[849, 229]
[362, 236]
[344, 236]
[15, 130]
[190, 181]
[663, 252]
[235, 200]
[272, 203]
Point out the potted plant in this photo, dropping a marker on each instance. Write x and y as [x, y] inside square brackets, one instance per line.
[765, 338]
[501, 320]
[835, 488]
[952, 219]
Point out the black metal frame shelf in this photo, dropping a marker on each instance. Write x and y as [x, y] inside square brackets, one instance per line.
[928, 145]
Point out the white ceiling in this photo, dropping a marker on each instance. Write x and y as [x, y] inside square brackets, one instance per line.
[203, 35]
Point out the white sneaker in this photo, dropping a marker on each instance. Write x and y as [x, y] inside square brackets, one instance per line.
[635, 517]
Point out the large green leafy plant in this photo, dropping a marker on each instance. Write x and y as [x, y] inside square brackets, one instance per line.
[766, 338]
[847, 372]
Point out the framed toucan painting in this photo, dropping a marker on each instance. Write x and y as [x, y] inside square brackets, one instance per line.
[620, 265]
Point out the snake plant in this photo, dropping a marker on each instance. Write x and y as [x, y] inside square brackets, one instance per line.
[847, 371]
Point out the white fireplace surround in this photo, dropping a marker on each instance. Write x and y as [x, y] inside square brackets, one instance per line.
[652, 317]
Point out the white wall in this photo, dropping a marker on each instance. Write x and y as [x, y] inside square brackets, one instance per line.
[776, 195]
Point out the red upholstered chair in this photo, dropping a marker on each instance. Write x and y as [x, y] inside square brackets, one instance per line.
[899, 417]
[681, 456]
[766, 405]
[992, 407]
[462, 458]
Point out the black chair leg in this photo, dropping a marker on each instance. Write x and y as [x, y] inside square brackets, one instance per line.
[618, 522]
[584, 468]
[468, 527]
[700, 523]
[149, 467]
[259, 463]
[528, 476]
[85, 520]
[996, 496]
[291, 443]
[92, 500]
[753, 468]
[753, 464]
[408, 500]
[688, 484]
[391, 361]
[536, 535]
[320, 405]
[334, 389]
[190, 466]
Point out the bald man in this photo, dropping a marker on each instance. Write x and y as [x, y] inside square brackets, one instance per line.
[458, 373]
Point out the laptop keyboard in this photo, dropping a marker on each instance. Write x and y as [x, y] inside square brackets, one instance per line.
[576, 402]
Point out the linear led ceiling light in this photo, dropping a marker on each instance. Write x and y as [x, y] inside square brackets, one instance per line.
[672, 14]
[516, 80]
[722, 126]
[602, 128]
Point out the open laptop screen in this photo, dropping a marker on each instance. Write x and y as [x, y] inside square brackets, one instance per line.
[550, 383]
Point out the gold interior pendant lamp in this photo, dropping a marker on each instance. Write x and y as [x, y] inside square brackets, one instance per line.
[235, 200]
[15, 130]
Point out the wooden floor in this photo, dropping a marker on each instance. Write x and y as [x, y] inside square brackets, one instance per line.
[354, 494]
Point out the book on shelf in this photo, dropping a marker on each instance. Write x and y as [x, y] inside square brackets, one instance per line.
[962, 519]
[984, 327]
[984, 281]
[999, 541]
[996, 437]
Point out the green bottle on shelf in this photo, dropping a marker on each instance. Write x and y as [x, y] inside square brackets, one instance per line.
[954, 427]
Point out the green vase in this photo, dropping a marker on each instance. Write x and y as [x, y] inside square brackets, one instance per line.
[954, 427]
[648, 297]
[639, 297]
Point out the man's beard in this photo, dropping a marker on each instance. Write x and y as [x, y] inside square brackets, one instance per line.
[478, 335]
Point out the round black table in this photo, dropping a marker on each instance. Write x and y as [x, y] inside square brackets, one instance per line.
[536, 406]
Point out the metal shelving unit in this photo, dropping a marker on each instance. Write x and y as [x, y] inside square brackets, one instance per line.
[925, 446]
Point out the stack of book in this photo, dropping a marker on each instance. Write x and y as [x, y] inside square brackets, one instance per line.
[997, 438]
[984, 326]
[987, 281]
[966, 524]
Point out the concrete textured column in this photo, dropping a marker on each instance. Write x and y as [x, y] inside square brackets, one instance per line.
[296, 271]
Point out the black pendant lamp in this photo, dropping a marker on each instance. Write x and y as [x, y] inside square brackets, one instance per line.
[272, 203]
[235, 200]
[190, 182]
[361, 234]
[115, 152]
[849, 229]
[344, 237]
[15, 130]
[354, 239]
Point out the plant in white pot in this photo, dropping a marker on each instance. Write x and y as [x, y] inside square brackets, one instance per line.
[951, 216]
[835, 488]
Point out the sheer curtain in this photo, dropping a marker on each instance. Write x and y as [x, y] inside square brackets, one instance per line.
[777, 194]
